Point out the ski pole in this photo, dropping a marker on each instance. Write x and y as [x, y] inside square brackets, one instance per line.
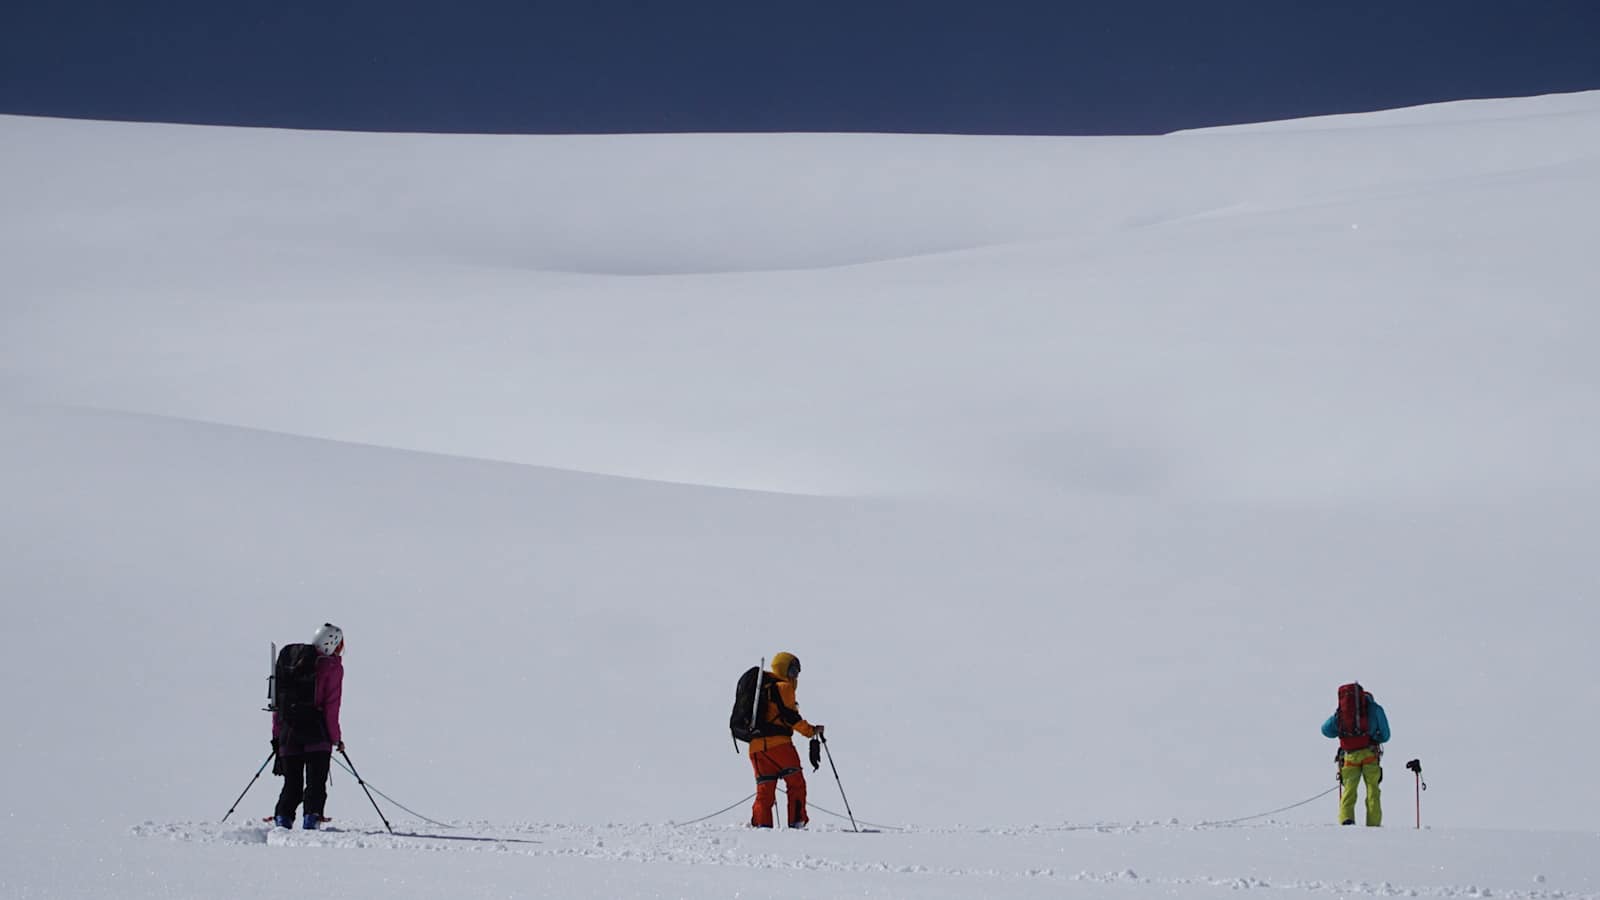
[364, 788]
[250, 785]
[853, 826]
[1415, 765]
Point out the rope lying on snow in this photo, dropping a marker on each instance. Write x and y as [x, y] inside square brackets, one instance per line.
[719, 812]
[1275, 811]
[1215, 824]
[374, 788]
[809, 805]
[746, 799]
[826, 811]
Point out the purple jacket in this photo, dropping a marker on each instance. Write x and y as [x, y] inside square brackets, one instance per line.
[329, 693]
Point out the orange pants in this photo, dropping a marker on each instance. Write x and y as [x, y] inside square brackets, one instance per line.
[782, 761]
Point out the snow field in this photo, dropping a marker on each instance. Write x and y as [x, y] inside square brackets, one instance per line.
[1078, 471]
[1108, 860]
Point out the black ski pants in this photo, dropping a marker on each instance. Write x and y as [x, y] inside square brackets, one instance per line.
[305, 778]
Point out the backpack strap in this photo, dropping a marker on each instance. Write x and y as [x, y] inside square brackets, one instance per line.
[786, 716]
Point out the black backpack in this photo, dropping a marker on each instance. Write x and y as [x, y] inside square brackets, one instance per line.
[745, 722]
[295, 697]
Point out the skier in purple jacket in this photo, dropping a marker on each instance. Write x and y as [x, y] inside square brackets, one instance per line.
[304, 763]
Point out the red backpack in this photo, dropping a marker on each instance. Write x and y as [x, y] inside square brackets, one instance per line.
[1353, 717]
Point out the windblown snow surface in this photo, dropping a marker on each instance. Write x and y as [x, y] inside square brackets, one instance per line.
[1078, 471]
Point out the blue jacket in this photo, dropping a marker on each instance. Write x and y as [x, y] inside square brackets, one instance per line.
[1380, 724]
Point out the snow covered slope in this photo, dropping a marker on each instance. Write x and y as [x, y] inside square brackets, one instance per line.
[1078, 471]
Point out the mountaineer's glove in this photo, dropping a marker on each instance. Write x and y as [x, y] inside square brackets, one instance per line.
[816, 754]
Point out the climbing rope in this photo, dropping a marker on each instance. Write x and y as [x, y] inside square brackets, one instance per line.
[809, 805]
[1215, 824]
[748, 798]
[825, 811]
[1275, 811]
[374, 789]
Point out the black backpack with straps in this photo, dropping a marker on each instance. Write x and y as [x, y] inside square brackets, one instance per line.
[746, 721]
[295, 697]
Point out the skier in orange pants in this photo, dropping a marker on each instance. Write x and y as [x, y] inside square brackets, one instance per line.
[773, 755]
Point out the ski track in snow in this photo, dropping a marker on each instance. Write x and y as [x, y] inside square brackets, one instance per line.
[728, 846]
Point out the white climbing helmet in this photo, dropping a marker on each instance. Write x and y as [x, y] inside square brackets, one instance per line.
[328, 639]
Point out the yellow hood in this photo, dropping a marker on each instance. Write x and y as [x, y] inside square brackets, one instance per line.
[780, 665]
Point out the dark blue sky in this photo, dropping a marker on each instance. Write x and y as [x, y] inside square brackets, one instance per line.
[706, 65]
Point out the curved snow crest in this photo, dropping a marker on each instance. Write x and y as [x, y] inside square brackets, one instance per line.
[221, 430]
[1479, 110]
[632, 205]
[613, 205]
[1150, 317]
[1154, 859]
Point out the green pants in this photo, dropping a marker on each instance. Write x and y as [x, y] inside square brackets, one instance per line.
[1359, 766]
